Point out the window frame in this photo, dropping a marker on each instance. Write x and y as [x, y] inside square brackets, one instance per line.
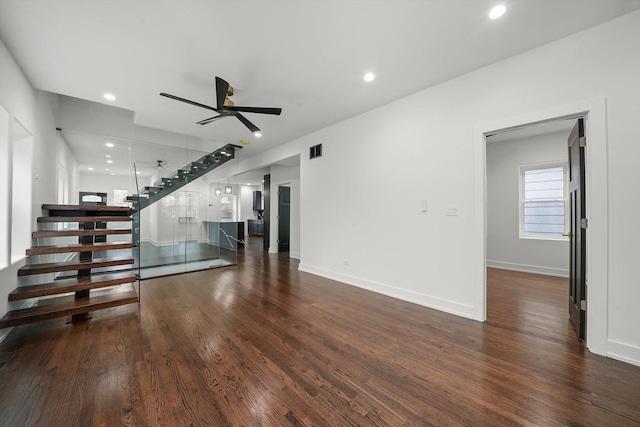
[521, 200]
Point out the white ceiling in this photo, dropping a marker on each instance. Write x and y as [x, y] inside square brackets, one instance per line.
[307, 57]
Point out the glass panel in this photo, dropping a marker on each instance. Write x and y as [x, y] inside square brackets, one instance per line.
[173, 226]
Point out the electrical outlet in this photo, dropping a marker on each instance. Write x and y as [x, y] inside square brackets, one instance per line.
[345, 262]
[452, 210]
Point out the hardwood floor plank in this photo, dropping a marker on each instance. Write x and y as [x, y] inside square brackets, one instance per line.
[262, 344]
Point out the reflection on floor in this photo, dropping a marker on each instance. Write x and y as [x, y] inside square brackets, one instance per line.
[152, 255]
[165, 260]
[180, 258]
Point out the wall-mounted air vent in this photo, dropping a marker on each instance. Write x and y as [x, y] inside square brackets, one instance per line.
[315, 151]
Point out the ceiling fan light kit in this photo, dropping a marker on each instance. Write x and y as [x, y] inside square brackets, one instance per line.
[226, 108]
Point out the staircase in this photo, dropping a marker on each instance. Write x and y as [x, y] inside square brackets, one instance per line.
[87, 290]
[93, 290]
[178, 179]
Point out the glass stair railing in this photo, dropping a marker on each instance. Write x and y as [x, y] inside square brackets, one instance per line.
[178, 179]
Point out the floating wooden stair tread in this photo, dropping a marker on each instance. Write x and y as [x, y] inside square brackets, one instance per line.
[52, 267]
[71, 285]
[67, 306]
[83, 218]
[76, 296]
[87, 208]
[96, 232]
[42, 250]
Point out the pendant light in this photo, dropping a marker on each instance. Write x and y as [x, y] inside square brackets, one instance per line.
[228, 189]
[218, 191]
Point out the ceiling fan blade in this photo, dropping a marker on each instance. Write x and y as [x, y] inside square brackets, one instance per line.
[221, 91]
[211, 119]
[247, 123]
[197, 104]
[260, 110]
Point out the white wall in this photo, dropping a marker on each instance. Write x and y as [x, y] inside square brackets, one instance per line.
[22, 172]
[361, 201]
[505, 248]
[68, 162]
[104, 183]
[35, 111]
[5, 190]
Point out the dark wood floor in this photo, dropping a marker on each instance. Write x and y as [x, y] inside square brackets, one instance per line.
[262, 344]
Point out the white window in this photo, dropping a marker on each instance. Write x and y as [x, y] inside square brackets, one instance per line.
[543, 201]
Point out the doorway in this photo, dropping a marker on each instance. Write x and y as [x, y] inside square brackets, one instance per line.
[528, 262]
[596, 208]
[284, 218]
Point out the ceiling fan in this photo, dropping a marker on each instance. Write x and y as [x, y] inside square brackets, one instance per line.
[226, 108]
[160, 164]
[155, 164]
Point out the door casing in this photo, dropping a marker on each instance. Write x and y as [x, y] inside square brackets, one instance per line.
[597, 204]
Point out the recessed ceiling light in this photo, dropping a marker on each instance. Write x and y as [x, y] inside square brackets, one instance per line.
[137, 172]
[369, 77]
[90, 169]
[112, 173]
[109, 161]
[497, 11]
[109, 144]
[107, 155]
[109, 96]
[106, 169]
[257, 134]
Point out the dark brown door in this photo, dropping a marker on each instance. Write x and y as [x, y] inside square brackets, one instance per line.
[284, 218]
[577, 229]
[266, 216]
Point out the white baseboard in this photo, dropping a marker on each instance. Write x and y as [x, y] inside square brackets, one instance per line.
[525, 268]
[425, 300]
[295, 255]
[624, 352]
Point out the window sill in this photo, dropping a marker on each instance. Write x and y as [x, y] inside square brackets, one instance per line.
[552, 239]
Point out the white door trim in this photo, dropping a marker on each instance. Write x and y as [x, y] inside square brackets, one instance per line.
[597, 211]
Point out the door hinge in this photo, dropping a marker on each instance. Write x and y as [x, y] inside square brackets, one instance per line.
[583, 141]
[584, 223]
[583, 305]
